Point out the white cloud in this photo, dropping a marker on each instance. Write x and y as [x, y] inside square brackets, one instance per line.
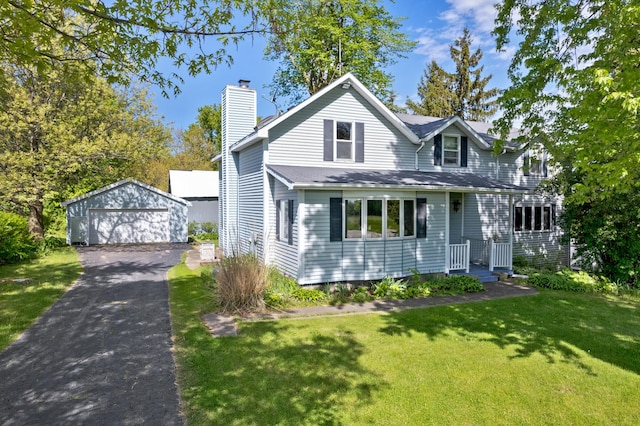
[482, 12]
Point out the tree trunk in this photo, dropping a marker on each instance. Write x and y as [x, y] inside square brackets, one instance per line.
[36, 219]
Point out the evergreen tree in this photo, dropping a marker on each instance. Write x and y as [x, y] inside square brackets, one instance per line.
[435, 91]
[462, 93]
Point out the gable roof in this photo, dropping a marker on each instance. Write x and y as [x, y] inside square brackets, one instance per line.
[346, 82]
[194, 183]
[121, 183]
[426, 127]
[299, 177]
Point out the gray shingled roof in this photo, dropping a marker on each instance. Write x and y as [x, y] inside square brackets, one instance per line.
[309, 177]
[422, 125]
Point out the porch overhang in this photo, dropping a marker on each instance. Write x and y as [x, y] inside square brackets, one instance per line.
[325, 178]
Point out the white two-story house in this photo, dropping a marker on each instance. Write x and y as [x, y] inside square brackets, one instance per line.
[340, 188]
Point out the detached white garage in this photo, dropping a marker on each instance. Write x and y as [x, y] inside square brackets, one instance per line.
[126, 212]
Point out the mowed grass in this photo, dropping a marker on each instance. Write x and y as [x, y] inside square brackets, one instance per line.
[22, 303]
[555, 358]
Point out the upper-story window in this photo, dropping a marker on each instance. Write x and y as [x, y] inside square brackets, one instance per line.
[535, 164]
[344, 140]
[450, 150]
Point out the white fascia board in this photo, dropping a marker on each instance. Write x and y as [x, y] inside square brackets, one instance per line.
[286, 182]
[429, 188]
[251, 139]
[120, 183]
[263, 132]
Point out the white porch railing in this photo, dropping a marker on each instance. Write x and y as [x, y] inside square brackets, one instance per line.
[479, 250]
[459, 256]
[501, 254]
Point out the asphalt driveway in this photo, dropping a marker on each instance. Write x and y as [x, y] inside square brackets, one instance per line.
[102, 353]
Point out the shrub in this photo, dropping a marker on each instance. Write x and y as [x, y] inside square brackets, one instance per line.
[309, 294]
[578, 281]
[456, 284]
[419, 289]
[16, 243]
[361, 295]
[279, 292]
[390, 287]
[193, 228]
[242, 281]
[209, 228]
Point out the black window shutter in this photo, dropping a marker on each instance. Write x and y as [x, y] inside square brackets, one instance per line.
[437, 150]
[278, 220]
[359, 142]
[290, 224]
[328, 140]
[421, 216]
[464, 147]
[335, 219]
[545, 171]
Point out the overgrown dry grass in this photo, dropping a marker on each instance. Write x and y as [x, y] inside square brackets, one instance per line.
[241, 282]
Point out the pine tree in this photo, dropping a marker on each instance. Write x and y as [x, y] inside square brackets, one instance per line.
[435, 91]
[462, 93]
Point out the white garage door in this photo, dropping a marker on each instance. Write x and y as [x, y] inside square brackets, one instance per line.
[118, 226]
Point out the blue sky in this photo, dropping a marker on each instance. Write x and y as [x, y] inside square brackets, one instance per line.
[434, 24]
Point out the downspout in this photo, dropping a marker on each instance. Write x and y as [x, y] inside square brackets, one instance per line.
[422, 144]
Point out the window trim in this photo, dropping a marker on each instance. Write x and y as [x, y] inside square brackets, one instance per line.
[352, 141]
[540, 160]
[284, 220]
[364, 206]
[529, 211]
[458, 149]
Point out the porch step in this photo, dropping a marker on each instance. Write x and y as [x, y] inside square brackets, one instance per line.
[482, 273]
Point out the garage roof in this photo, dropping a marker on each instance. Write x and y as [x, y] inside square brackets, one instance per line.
[124, 182]
[193, 183]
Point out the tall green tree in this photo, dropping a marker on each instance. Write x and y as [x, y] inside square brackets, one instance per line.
[209, 119]
[61, 136]
[119, 39]
[436, 93]
[317, 41]
[574, 86]
[462, 93]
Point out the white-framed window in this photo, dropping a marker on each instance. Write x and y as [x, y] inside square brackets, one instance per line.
[353, 219]
[534, 163]
[284, 220]
[379, 218]
[344, 140]
[535, 217]
[450, 150]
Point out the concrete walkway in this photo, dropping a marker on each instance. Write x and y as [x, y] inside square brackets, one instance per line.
[101, 355]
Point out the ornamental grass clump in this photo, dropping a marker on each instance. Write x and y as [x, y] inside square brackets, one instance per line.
[242, 280]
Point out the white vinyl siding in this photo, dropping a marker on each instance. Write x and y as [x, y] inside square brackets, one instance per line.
[479, 160]
[299, 140]
[326, 261]
[283, 254]
[250, 212]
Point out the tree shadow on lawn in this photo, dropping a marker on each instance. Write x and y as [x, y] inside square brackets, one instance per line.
[552, 324]
[273, 373]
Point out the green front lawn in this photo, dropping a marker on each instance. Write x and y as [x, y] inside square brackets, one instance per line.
[22, 303]
[556, 358]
